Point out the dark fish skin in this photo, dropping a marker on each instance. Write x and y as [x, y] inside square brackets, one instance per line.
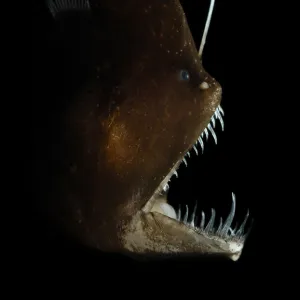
[119, 113]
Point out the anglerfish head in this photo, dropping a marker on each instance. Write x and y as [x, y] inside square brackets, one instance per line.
[142, 102]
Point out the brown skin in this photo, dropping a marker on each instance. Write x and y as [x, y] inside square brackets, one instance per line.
[128, 117]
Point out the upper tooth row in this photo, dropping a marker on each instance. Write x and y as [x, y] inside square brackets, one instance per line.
[210, 128]
[223, 230]
[217, 115]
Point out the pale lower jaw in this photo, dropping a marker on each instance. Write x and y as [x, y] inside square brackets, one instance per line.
[222, 231]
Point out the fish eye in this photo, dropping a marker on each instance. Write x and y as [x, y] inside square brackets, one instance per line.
[184, 75]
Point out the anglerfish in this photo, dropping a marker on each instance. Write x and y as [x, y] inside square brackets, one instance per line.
[134, 101]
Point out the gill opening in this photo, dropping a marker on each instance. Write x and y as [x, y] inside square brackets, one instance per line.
[211, 8]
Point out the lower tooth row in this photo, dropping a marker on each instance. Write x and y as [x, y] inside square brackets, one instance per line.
[223, 230]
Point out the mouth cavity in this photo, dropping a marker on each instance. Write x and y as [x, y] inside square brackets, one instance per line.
[207, 224]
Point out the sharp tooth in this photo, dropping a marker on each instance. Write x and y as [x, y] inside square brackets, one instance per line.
[184, 160]
[179, 213]
[202, 220]
[186, 215]
[235, 228]
[230, 217]
[220, 227]
[201, 143]
[202, 134]
[175, 172]
[221, 110]
[231, 231]
[213, 133]
[195, 150]
[188, 153]
[220, 119]
[196, 221]
[166, 188]
[210, 224]
[193, 215]
[213, 121]
[241, 229]
[248, 232]
[206, 133]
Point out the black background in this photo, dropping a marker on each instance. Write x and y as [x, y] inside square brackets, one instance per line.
[237, 54]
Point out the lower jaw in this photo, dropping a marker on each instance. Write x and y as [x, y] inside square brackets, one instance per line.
[156, 236]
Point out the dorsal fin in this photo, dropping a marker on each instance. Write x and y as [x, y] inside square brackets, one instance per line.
[57, 6]
[208, 19]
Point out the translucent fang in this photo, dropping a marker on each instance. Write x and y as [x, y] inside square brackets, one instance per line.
[231, 231]
[220, 119]
[201, 143]
[179, 213]
[166, 187]
[196, 220]
[213, 133]
[230, 217]
[221, 110]
[206, 133]
[235, 228]
[193, 215]
[184, 160]
[210, 224]
[241, 229]
[186, 215]
[213, 121]
[249, 230]
[195, 150]
[188, 153]
[175, 172]
[220, 227]
[202, 220]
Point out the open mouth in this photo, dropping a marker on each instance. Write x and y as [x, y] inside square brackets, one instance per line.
[216, 229]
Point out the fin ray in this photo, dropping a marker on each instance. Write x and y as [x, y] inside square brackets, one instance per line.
[57, 6]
